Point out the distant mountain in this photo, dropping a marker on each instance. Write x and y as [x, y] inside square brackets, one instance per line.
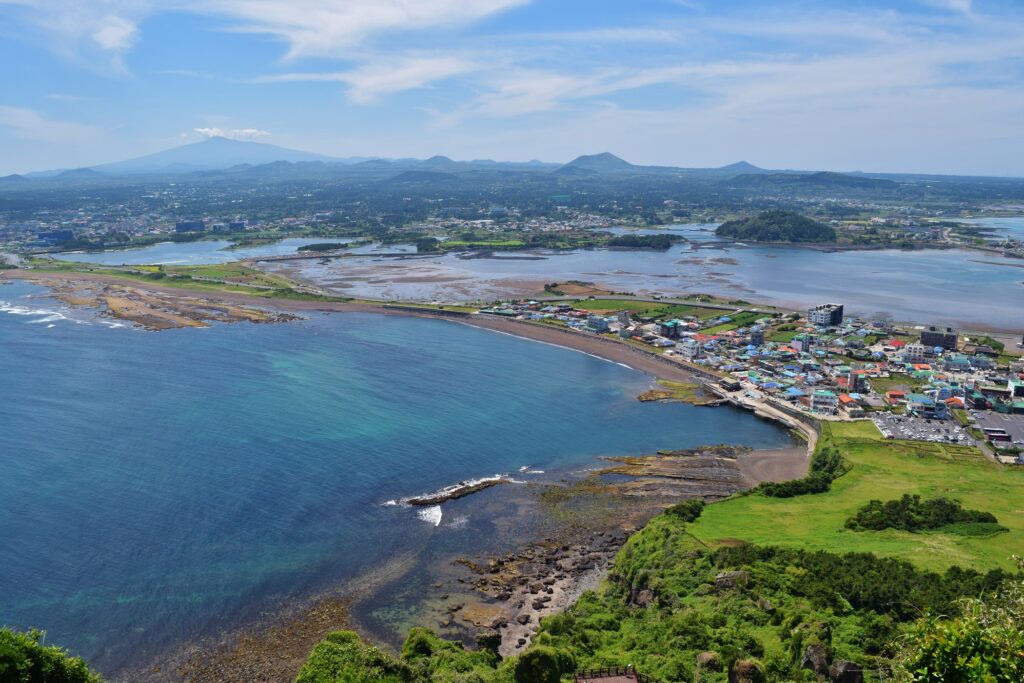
[422, 177]
[823, 179]
[210, 154]
[741, 167]
[14, 179]
[438, 162]
[777, 226]
[605, 162]
[79, 174]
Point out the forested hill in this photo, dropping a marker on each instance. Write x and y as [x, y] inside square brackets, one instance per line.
[777, 226]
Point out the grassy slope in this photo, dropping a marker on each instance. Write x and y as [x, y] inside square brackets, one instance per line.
[882, 470]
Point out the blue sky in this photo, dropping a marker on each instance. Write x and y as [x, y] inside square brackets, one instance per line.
[918, 85]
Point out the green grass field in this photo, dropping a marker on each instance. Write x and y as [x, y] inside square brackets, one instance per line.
[648, 309]
[883, 470]
[738, 320]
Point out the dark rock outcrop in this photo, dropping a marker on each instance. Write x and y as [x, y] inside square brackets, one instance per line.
[844, 671]
[816, 659]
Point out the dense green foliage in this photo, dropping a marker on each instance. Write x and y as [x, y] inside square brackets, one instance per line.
[826, 465]
[324, 246]
[751, 603]
[910, 513]
[427, 244]
[777, 226]
[687, 510]
[985, 643]
[661, 242]
[24, 659]
[343, 658]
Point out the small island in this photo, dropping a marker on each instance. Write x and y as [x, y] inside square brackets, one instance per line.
[777, 226]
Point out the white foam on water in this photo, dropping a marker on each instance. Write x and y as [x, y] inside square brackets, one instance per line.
[53, 317]
[458, 522]
[430, 515]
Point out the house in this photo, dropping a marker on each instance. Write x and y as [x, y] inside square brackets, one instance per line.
[926, 407]
[850, 406]
[894, 398]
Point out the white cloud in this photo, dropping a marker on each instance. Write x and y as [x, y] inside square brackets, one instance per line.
[233, 133]
[332, 27]
[115, 34]
[79, 29]
[30, 125]
[380, 77]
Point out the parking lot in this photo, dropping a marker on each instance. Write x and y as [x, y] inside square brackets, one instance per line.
[908, 428]
[1013, 424]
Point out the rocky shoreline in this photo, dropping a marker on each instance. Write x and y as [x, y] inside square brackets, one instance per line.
[515, 590]
[543, 578]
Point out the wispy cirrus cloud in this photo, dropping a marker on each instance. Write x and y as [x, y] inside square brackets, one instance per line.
[367, 82]
[108, 29]
[28, 124]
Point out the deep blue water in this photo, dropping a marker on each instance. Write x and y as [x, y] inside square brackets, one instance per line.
[157, 487]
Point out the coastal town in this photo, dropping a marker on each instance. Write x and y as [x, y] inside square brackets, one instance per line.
[914, 382]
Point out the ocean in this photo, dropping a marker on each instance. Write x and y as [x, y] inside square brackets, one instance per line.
[159, 488]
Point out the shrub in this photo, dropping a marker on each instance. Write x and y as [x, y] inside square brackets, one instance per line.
[910, 513]
[23, 659]
[543, 664]
[827, 465]
[342, 658]
[688, 510]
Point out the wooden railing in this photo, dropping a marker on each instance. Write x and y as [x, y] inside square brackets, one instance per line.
[587, 675]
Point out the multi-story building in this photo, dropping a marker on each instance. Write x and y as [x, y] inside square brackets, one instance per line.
[913, 353]
[824, 402]
[689, 348]
[190, 226]
[596, 323]
[945, 338]
[825, 315]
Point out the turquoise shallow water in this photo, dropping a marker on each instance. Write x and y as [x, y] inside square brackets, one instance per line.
[158, 487]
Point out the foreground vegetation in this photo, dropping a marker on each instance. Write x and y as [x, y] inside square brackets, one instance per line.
[25, 659]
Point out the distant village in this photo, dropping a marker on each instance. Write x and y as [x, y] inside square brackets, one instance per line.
[930, 384]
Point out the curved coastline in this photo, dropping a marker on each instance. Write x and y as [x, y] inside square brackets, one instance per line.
[590, 557]
[633, 357]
